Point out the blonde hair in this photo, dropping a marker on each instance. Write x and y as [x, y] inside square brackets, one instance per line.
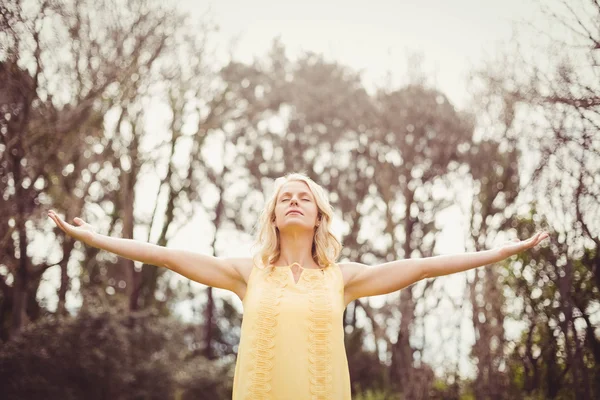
[326, 247]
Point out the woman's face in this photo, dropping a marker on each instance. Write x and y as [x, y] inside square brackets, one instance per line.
[295, 195]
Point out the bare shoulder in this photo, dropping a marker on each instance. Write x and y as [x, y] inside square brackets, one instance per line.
[243, 265]
[350, 270]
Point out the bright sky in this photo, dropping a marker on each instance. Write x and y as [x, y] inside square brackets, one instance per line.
[375, 36]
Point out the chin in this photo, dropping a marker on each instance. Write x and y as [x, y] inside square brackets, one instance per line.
[296, 226]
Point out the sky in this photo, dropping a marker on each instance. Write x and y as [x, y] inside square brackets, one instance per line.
[375, 37]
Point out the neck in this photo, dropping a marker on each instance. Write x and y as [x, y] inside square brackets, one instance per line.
[295, 247]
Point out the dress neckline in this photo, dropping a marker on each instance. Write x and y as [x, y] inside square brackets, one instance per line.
[298, 264]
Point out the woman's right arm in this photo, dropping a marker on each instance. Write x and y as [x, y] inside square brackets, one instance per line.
[224, 273]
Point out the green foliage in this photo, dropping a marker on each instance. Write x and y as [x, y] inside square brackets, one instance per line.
[107, 355]
[377, 394]
[553, 287]
[367, 372]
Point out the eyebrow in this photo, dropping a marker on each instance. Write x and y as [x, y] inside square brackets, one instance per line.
[301, 193]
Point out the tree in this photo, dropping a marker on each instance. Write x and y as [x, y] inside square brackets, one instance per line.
[493, 160]
[44, 124]
[556, 111]
[417, 143]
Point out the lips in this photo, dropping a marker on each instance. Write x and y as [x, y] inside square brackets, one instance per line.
[294, 211]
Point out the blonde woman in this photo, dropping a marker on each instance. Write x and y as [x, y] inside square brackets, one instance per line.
[293, 291]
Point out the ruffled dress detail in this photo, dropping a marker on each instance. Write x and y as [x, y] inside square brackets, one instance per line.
[292, 339]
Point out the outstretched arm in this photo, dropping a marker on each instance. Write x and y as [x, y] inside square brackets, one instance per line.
[363, 280]
[223, 273]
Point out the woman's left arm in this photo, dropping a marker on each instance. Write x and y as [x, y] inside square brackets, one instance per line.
[363, 280]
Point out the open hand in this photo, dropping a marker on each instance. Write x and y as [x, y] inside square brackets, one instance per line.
[516, 246]
[80, 231]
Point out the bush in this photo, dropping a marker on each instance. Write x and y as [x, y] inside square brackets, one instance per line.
[107, 355]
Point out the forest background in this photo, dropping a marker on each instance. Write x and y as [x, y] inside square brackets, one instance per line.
[150, 121]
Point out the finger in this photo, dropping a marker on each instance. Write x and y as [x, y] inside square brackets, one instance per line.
[533, 239]
[539, 237]
[58, 222]
[63, 225]
[535, 236]
[53, 217]
[81, 222]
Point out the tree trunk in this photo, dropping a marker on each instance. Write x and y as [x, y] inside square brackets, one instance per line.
[21, 276]
[208, 324]
[67, 248]
[402, 355]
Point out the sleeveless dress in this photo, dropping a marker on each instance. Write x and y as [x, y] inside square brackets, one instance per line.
[292, 336]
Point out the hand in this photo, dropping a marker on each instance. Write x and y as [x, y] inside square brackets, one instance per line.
[80, 231]
[516, 246]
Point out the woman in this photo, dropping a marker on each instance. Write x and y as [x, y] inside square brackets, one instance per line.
[293, 291]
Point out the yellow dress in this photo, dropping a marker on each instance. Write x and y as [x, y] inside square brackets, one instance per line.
[292, 338]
